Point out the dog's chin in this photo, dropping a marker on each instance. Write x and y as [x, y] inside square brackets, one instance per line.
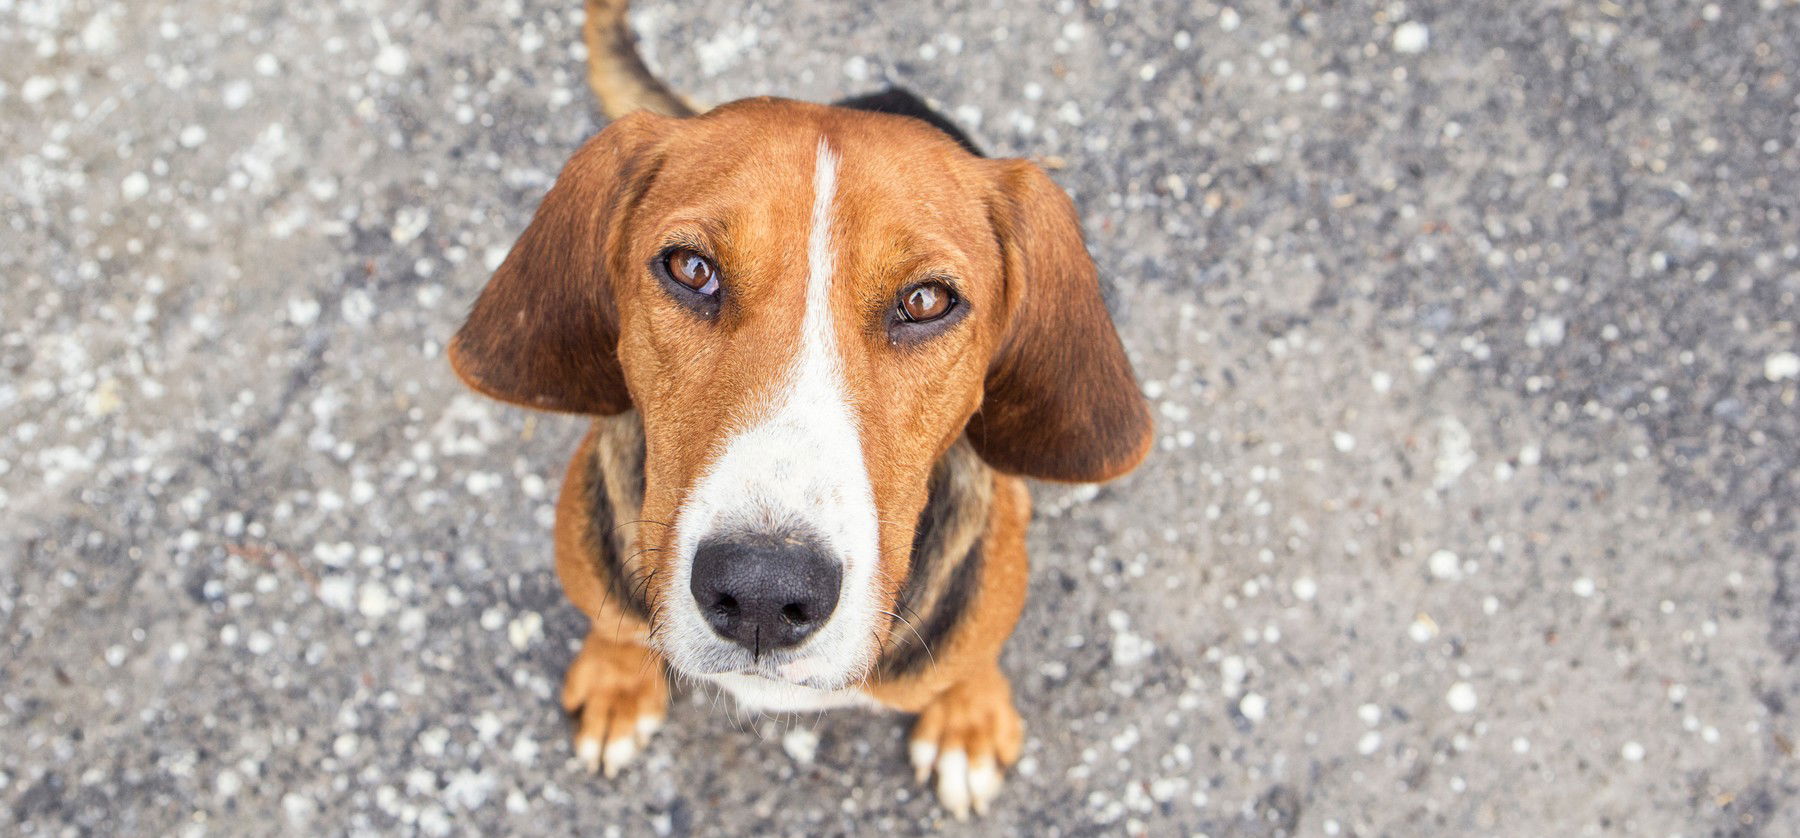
[812, 672]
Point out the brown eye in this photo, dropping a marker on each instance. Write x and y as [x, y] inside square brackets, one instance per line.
[689, 268]
[926, 302]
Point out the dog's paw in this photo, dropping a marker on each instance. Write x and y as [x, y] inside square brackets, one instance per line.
[968, 736]
[619, 697]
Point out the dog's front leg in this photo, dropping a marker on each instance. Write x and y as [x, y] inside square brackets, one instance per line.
[615, 687]
[619, 696]
[968, 732]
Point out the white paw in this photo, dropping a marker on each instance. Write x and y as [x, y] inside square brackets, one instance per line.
[966, 737]
[962, 786]
[610, 750]
[619, 698]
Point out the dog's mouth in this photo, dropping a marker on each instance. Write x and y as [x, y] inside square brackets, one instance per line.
[802, 671]
[796, 668]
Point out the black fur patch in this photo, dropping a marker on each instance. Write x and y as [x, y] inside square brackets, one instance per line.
[928, 542]
[945, 564]
[605, 546]
[902, 102]
[930, 631]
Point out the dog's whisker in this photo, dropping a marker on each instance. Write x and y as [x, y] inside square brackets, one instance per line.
[916, 635]
[624, 524]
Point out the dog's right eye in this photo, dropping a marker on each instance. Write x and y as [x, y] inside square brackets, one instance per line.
[689, 268]
[926, 302]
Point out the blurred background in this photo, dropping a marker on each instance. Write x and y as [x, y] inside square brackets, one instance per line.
[1470, 330]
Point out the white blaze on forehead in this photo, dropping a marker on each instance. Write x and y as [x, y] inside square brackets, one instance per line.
[821, 262]
[798, 465]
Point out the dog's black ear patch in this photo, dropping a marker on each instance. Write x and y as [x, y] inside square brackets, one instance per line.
[902, 102]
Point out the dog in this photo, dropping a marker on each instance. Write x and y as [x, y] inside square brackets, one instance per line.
[822, 347]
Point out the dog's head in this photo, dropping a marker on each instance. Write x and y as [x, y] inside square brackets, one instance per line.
[808, 305]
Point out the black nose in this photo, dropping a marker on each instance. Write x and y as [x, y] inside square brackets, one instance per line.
[765, 592]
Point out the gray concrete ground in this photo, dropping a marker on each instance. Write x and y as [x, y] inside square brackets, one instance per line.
[1470, 329]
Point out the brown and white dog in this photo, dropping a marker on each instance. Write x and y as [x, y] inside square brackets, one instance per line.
[823, 345]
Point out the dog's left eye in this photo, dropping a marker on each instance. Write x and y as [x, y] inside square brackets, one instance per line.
[926, 302]
[689, 268]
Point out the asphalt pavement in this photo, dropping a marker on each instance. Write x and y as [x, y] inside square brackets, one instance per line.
[1470, 331]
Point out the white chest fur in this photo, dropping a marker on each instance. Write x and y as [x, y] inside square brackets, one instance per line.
[761, 695]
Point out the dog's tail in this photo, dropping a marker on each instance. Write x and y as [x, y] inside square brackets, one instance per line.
[616, 73]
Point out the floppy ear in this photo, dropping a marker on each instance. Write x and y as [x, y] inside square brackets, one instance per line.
[1061, 402]
[544, 331]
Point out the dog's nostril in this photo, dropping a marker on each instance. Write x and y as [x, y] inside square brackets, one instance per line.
[795, 614]
[726, 606]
